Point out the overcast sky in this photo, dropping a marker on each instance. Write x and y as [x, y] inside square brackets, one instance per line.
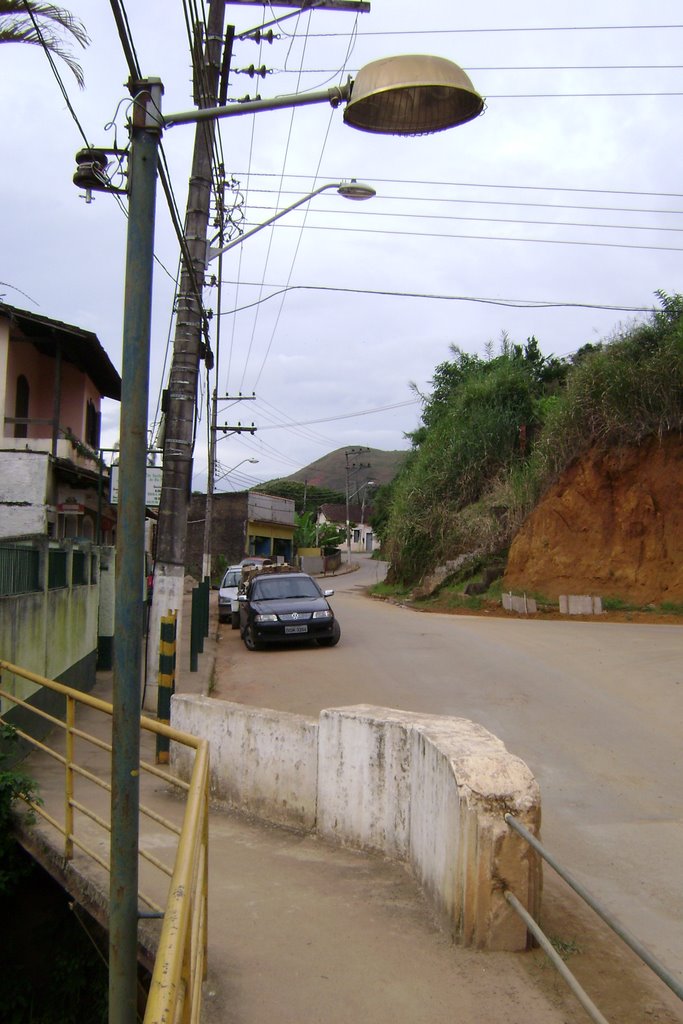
[566, 192]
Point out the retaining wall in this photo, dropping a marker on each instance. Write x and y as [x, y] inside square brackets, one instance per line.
[428, 790]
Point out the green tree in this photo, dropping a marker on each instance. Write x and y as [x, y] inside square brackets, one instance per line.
[43, 24]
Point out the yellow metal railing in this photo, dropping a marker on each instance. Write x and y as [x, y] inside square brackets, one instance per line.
[179, 967]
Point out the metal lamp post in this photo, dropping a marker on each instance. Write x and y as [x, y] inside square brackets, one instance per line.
[353, 189]
[402, 96]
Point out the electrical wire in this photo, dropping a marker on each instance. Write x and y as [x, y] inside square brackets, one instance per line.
[494, 238]
[55, 72]
[492, 185]
[513, 303]
[499, 31]
[483, 220]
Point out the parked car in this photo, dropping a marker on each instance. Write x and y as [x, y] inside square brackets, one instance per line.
[228, 608]
[286, 607]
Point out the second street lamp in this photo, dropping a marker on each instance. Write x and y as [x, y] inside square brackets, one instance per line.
[353, 189]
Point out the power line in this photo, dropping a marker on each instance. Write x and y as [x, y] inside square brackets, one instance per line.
[499, 31]
[486, 220]
[55, 72]
[511, 303]
[349, 415]
[498, 238]
[436, 200]
[489, 185]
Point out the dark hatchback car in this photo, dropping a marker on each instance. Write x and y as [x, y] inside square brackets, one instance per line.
[286, 607]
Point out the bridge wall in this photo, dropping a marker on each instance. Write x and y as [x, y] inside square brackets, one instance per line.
[428, 790]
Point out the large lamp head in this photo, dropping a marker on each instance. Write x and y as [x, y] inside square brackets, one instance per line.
[411, 95]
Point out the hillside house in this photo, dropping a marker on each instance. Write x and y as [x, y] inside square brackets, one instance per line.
[362, 537]
[53, 377]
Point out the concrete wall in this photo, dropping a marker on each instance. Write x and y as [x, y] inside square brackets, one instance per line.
[52, 632]
[23, 493]
[428, 790]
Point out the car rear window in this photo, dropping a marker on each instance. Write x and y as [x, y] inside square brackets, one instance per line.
[275, 589]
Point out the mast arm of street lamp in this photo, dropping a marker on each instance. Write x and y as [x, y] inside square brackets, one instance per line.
[213, 253]
[335, 96]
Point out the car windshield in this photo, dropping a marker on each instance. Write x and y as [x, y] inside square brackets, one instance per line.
[231, 578]
[279, 588]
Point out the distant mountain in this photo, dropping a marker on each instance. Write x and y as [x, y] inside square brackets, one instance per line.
[364, 464]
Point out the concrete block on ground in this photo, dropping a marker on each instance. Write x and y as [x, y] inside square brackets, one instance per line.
[519, 603]
[580, 604]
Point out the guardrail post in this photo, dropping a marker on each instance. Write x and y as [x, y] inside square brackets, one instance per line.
[207, 599]
[69, 780]
[166, 688]
[196, 646]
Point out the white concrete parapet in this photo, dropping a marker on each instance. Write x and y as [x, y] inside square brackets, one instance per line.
[262, 762]
[426, 789]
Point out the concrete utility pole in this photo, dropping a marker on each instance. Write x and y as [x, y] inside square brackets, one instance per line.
[179, 421]
[125, 771]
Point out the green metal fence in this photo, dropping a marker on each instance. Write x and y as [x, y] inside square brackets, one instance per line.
[19, 570]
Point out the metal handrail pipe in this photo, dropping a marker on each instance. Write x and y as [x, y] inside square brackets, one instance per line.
[30, 707]
[165, 776]
[41, 746]
[166, 983]
[52, 684]
[77, 769]
[160, 820]
[93, 702]
[547, 947]
[82, 809]
[617, 927]
[95, 740]
[159, 864]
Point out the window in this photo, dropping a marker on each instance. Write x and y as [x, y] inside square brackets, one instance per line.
[92, 425]
[21, 407]
[79, 569]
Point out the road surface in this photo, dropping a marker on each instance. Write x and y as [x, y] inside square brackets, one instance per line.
[595, 709]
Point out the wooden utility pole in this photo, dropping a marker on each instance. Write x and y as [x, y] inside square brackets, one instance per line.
[188, 349]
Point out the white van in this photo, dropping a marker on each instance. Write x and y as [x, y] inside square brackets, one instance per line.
[228, 607]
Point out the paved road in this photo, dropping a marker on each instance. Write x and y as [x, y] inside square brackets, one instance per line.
[595, 709]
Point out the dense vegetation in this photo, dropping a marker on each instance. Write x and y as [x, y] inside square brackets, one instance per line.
[306, 497]
[496, 432]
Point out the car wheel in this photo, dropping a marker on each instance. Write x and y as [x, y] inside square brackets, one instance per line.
[222, 618]
[249, 642]
[331, 641]
[235, 620]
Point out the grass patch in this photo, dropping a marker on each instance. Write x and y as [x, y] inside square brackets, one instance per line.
[396, 591]
[565, 948]
[671, 608]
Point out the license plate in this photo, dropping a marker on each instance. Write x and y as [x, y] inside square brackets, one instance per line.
[296, 629]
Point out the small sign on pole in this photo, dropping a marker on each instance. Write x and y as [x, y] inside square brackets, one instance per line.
[152, 486]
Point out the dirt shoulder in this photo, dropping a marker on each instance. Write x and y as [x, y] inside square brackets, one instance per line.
[445, 605]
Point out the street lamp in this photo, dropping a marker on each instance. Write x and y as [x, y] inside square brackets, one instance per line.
[353, 189]
[229, 471]
[401, 96]
[408, 95]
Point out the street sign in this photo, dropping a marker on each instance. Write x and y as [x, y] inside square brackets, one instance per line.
[152, 487]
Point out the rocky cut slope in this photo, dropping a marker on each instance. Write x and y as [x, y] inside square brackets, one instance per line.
[611, 526]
